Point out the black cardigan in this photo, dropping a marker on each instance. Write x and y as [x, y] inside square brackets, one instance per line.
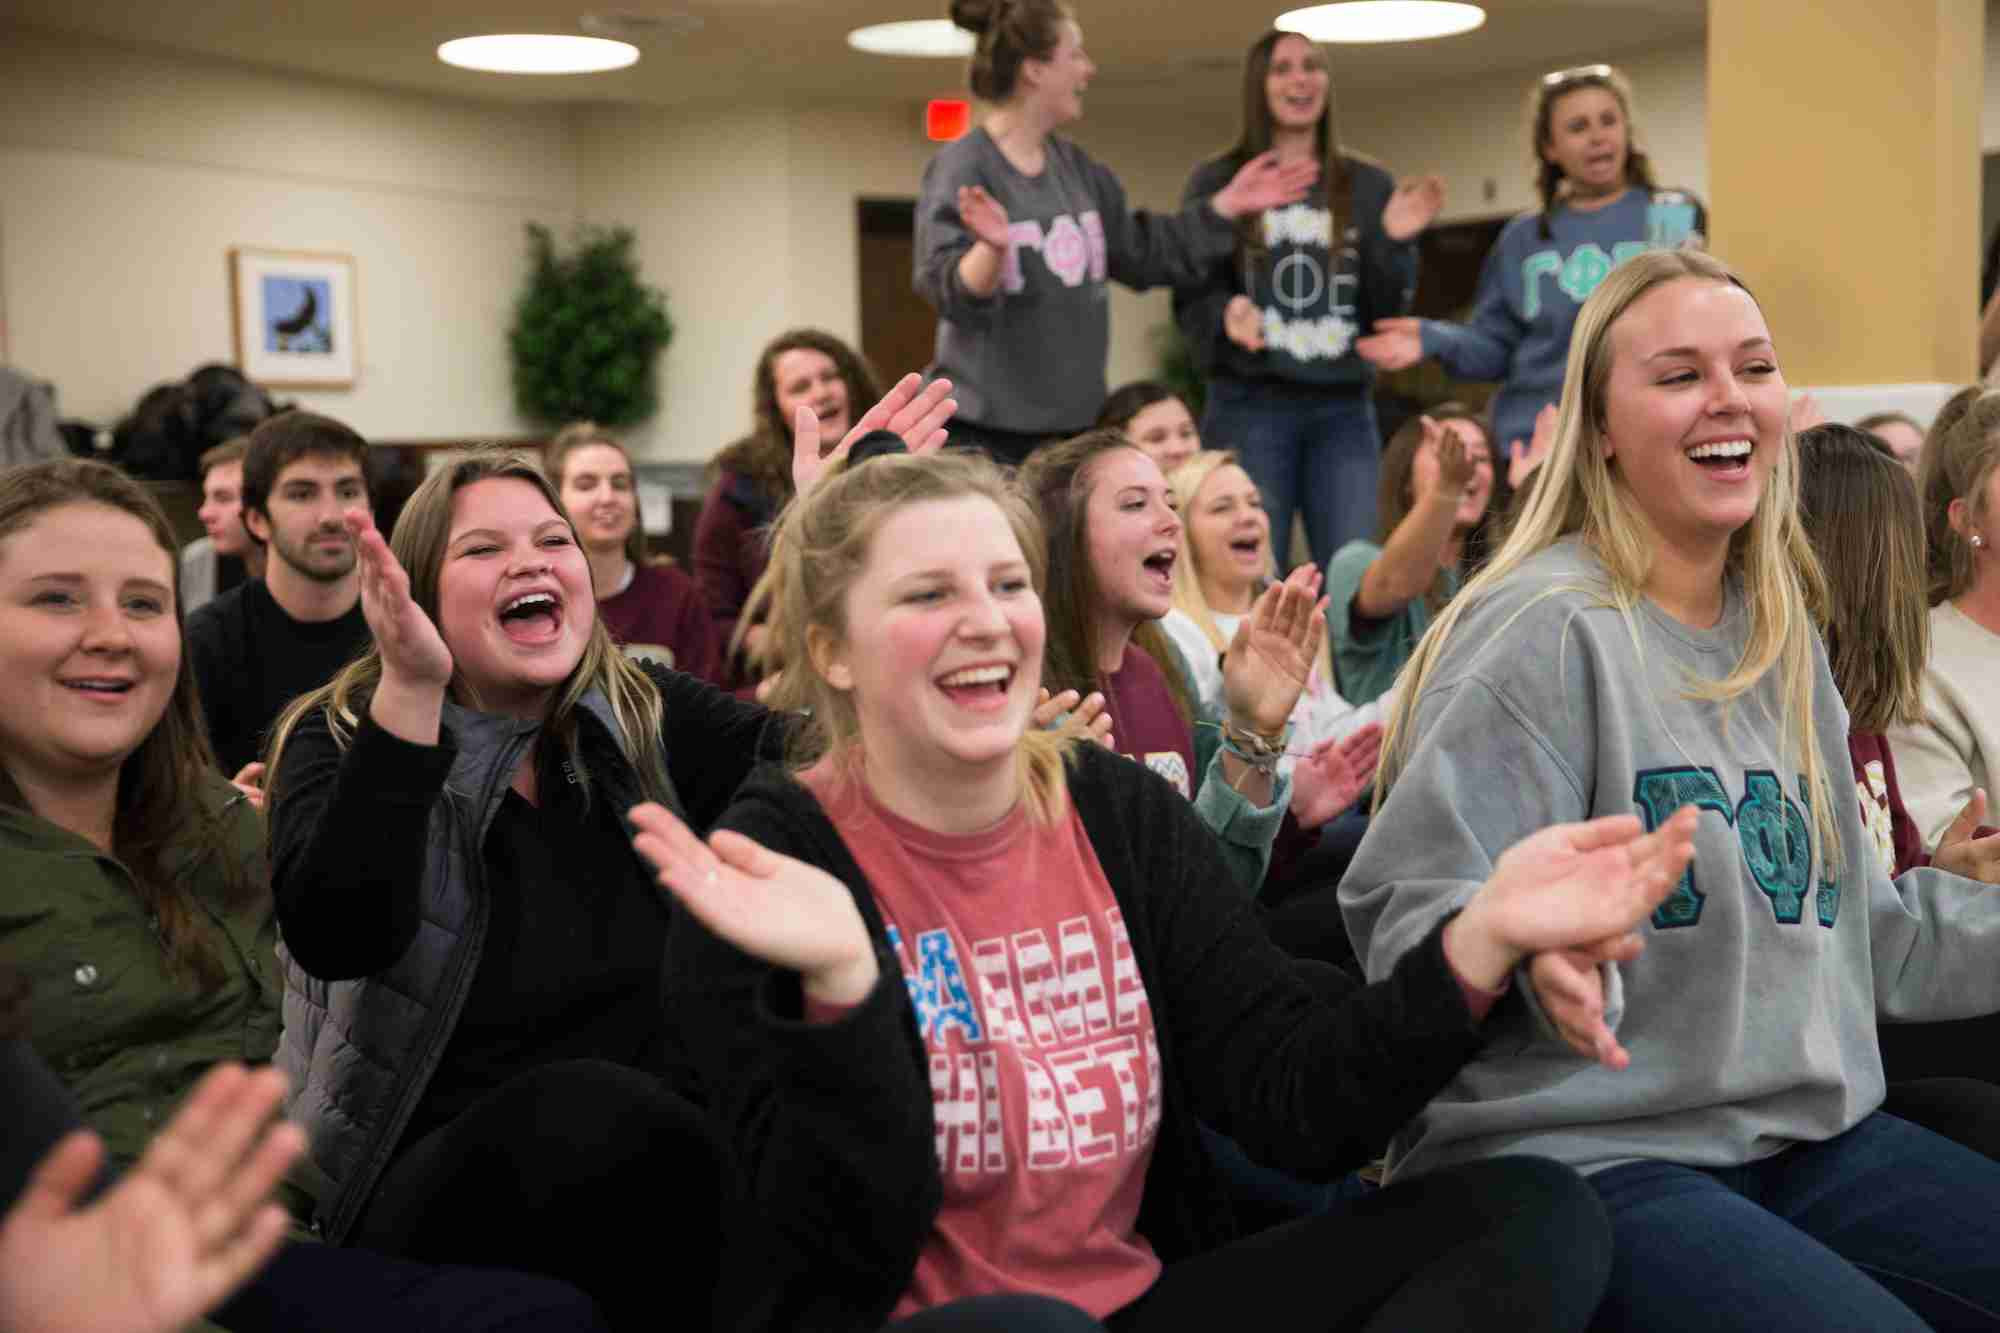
[831, 1124]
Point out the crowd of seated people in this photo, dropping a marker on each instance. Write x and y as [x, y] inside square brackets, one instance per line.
[992, 889]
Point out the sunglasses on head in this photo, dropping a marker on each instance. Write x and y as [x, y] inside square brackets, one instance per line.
[1577, 75]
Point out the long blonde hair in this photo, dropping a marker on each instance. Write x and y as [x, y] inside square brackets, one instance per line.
[1580, 496]
[1185, 482]
[422, 534]
[822, 543]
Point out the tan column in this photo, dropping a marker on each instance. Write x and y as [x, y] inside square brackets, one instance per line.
[1844, 179]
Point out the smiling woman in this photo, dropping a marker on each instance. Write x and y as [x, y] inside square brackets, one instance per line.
[1642, 643]
[654, 611]
[447, 844]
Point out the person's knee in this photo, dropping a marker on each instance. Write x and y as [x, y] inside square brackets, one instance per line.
[1550, 1208]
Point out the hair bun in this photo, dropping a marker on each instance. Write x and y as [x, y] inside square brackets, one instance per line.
[975, 16]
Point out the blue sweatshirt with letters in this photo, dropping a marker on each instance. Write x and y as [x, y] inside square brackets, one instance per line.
[1533, 285]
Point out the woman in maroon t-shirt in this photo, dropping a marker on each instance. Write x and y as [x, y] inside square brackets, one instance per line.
[653, 611]
[800, 368]
[1867, 528]
[959, 989]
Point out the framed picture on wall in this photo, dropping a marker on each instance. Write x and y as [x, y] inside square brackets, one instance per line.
[294, 315]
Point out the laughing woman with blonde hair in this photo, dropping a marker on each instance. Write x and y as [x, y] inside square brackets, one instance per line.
[1643, 643]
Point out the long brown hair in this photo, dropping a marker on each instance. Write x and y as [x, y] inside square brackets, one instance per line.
[1960, 453]
[1335, 186]
[822, 544]
[422, 533]
[1860, 508]
[159, 812]
[1057, 480]
[1395, 488]
[764, 456]
[1552, 89]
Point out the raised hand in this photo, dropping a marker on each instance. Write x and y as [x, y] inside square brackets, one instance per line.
[1333, 777]
[775, 908]
[983, 216]
[1455, 462]
[250, 781]
[1806, 413]
[1570, 985]
[177, 1233]
[912, 409]
[1395, 344]
[1087, 716]
[1567, 886]
[1962, 851]
[1243, 323]
[1271, 657]
[1414, 206]
[1265, 182]
[413, 652]
[1521, 463]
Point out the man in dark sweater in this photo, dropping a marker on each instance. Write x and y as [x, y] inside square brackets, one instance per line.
[265, 642]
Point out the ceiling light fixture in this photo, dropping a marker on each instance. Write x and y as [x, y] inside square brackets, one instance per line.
[913, 37]
[537, 53]
[1382, 20]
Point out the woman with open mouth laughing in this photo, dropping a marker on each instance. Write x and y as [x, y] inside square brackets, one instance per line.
[1643, 646]
[1272, 325]
[1114, 542]
[1019, 231]
[960, 988]
[1600, 206]
[474, 951]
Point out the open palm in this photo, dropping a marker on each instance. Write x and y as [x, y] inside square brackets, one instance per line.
[912, 409]
[1271, 656]
[772, 907]
[177, 1233]
[1332, 778]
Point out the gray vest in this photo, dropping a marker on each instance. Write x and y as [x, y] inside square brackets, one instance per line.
[360, 1053]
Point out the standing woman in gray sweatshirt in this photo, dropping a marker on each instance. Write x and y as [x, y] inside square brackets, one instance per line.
[1273, 324]
[1018, 231]
[1600, 206]
[1644, 642]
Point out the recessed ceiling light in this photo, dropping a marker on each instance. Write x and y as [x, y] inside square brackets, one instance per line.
[913, 37]
[537, 53]
[1382, 20]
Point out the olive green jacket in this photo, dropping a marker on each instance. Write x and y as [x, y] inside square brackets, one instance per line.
[129, 1036]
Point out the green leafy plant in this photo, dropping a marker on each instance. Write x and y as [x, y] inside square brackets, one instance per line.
[587, 332]
[1176, 366]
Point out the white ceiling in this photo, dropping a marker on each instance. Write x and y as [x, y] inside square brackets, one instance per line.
[1149, 52]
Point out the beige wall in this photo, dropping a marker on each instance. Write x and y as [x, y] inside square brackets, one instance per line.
[129, 174]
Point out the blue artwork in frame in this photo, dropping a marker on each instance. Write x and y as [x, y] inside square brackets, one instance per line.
[298, 314]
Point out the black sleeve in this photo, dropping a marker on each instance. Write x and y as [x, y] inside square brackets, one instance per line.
[37, 1108]
[829, 1124]
[1314, 1077]
[207, 640]
[1387, 268]
[349, 832]
[1198, 305]
[712, 740]
[1145, 249]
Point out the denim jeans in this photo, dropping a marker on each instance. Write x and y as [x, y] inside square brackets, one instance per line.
[1310, 449]
[1885, 1228]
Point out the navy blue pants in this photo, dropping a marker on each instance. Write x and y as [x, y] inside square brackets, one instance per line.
[1887, 1228]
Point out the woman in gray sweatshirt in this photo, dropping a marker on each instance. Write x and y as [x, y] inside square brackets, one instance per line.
[1018, 231]
[1644, 642]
